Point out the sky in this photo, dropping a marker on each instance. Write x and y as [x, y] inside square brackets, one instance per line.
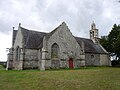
[46, 15]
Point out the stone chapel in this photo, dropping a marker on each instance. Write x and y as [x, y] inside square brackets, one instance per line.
[56, 49]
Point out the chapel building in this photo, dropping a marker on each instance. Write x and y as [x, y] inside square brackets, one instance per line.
[56, 49]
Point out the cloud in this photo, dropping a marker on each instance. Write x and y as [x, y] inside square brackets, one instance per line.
[46, 14]
[5, 43]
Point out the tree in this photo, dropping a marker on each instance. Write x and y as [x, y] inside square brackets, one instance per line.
[104, 42]
[114, 38]
[112, 42]
[117, 46]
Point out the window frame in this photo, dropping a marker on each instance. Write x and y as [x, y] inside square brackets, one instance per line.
[55, 51]
[18, 53]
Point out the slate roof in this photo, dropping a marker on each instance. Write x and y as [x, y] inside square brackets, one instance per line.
[90, 46]
[14, 36]
[34, 40]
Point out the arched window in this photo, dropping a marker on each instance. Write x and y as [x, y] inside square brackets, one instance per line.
[18, 53]
[54, 51]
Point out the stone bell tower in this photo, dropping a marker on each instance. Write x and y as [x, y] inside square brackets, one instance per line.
[94, 33]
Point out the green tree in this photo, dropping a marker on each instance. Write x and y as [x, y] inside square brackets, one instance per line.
[104, 42]
[117, 46]
[112, 42]
[113, 39]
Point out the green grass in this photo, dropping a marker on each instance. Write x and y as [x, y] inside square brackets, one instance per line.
[1, 67]
[90, 78]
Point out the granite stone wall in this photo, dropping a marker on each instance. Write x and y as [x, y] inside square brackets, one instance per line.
[105, 60]
[92, 59]
[9, 61]
[31, 59]
[68, 48]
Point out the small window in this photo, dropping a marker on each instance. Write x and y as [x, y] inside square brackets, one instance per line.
[92, 56]
[54, 51]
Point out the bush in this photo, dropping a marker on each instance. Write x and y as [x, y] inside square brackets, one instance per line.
[1, 67]
[116, 63]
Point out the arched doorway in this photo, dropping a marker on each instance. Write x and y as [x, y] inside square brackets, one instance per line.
[71, 65]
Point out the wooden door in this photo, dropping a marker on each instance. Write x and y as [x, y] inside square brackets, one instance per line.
[71, 63]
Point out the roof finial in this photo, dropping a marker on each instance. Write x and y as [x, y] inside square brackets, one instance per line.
[93, 26]
[63, 22]
[13, 28]
[19, 24]
[93, 22]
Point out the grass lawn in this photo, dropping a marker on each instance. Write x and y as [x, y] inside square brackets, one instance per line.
[1, 67]
[91, 78]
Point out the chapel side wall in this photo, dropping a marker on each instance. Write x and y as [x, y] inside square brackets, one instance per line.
[92, 59]
[105, 60]
[31, 59]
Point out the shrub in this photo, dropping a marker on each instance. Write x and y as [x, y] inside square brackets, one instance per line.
[116, 63]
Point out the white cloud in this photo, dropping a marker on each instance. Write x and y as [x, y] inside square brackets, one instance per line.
[5, 40]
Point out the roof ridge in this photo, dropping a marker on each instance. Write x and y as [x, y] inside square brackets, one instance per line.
[81, 38]
[32, 30]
